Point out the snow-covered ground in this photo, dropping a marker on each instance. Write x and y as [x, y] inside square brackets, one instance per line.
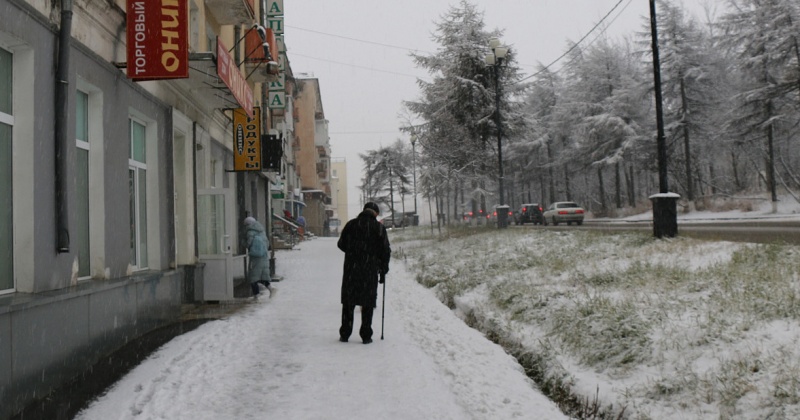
[281, 359]
[667, 329]
[663, 329]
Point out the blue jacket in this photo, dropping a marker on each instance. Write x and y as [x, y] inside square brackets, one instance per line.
[257, 243]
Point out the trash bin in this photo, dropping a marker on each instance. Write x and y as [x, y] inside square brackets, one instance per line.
[502, 216]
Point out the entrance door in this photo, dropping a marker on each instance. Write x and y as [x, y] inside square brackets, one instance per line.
[215, 227]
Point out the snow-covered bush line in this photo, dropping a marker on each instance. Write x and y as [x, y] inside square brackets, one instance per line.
[676, 328]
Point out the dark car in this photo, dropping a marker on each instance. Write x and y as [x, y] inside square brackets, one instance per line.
[530, 213]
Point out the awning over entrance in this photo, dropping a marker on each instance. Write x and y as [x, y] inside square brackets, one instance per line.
[284, 220]
[298, 202]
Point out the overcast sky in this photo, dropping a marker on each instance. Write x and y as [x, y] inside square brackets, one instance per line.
[359, 51]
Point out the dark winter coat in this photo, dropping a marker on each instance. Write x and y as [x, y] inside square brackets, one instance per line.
[366, 254]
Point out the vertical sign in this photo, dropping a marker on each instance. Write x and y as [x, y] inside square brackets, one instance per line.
[274, 8]
[246, 140]
[276, 98]
[276, 24]
[157, 39]
[233, 79]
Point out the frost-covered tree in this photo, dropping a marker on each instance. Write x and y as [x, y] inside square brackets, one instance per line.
[387, 174]
[763, 34]
[599, 118]
[686, 83]
[458, 104]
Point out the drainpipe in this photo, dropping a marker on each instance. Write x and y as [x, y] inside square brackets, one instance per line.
[195, 148]
[61, 137]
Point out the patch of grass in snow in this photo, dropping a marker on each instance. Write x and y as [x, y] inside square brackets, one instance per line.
[670, 318]
[785, 388]
[602, 332]
[761, 283]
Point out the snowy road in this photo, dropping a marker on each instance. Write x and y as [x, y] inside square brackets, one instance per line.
[281, 359]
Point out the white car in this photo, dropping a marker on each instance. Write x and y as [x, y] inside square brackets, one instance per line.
[564, 211]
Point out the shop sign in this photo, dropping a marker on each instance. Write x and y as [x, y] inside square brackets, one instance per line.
[279, 84]
[277, 100]
[281, 45]
[274, 8]
[157, 39]
[246, 140]
[233, 79]
[276, 24]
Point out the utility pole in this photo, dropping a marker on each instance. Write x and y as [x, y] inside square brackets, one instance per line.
[665, 214]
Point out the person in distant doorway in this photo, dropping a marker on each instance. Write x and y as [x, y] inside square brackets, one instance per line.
[258, 254]
[366, 256]
[301, 221]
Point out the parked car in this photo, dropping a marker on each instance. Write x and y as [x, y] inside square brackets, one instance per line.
[479, 217]
[530, 213]
[389, 222]
[564, 212]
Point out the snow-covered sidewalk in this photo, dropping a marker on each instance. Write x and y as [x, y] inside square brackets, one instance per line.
[281, 359]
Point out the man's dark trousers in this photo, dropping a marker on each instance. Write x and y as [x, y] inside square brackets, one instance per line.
[347, 322]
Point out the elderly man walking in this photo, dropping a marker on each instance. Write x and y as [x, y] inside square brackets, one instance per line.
[366, 256]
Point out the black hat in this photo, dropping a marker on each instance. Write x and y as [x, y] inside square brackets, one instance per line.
[372, 206]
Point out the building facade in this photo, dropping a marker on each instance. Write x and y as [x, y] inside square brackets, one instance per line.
[339, 187]
[313, 154]
[119, 199]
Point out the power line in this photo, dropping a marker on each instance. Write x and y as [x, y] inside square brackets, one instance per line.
[356, 66]
[427, 52]
[579, 41]
[365, 132]
[360, 40]
[413, 50]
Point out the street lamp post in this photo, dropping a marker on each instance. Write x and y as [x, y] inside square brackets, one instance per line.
[391, 188]
[414, 173]
[495, 59]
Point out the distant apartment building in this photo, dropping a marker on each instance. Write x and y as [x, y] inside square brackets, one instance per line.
[339, 189]
[313, 154]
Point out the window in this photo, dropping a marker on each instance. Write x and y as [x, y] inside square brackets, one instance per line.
[6, 193]
[211, 39]
[194, 27]
[137, 181]
[82, 183]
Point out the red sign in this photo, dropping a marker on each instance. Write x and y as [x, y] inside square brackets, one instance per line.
[233, 79]
[254, 49]
[158, 39]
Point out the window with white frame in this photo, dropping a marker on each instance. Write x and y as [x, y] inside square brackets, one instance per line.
[6, 181]
[137, 181]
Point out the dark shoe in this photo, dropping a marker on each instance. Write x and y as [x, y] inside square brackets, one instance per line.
[367, 341]
[342, 339]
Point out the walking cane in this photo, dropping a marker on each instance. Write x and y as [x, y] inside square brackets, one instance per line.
[383, 304]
